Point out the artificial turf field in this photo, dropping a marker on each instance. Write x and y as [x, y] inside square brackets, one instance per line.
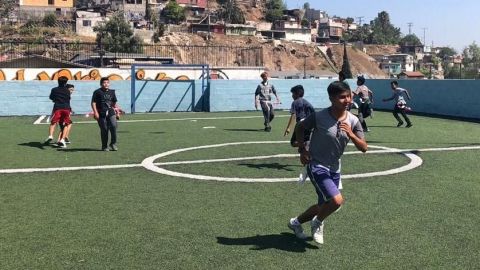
[127, 217]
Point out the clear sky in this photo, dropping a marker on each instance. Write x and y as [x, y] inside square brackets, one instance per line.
[453, 23]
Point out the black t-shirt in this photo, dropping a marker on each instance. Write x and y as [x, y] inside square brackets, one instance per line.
[61, 97]
[301, 108]
[105, 100]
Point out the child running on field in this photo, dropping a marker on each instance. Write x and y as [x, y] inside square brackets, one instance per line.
[333, 128]
[400, 104]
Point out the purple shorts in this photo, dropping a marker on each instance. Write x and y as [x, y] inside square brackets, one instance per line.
[325, 182]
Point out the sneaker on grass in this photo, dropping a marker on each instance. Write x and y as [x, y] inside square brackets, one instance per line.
[62, 144]
[317, 230]
[48, 140]
[297, 229]
[113, 147]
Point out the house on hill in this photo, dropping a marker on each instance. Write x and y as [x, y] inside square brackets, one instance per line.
[417, 75]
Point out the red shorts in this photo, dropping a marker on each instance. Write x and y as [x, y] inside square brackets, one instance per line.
[61, 116]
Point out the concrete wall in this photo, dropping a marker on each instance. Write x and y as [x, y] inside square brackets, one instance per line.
[238, 95]
[457, 98]
[32, 97]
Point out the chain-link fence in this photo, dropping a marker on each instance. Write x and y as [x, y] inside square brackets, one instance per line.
[20, 54]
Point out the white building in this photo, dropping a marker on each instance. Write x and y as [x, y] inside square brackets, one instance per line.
[85, 22]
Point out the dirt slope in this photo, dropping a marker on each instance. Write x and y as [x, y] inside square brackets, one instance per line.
[360, 62]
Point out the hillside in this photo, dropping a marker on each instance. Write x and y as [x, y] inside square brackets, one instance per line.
[277, 55]
[291, 56]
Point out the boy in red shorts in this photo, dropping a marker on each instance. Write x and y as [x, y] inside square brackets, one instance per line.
[60, 96]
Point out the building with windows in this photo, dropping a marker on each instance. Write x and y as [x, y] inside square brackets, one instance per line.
[85, 22]
[39, 8]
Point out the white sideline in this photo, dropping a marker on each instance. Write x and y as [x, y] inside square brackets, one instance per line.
[38, 121]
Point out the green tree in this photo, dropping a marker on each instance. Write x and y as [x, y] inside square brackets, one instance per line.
[383, 32]
[116, 35]
[446, 52]
[230, 12]
[274, 10]
[471, 59]
[361, 34]
[173, 12]
[411, 40]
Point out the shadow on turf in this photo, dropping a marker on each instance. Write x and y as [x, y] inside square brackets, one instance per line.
[39, 145]
[244, 129]
[274, 165]
[283, 241]
[373, 126]
[80, 149]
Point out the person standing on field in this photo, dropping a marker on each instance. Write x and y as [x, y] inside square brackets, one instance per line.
[263, 97]
[104, 102]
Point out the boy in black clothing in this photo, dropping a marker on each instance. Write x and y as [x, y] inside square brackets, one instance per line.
[300, 109]
[104, 102]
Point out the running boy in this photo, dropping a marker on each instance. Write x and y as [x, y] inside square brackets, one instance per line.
[333, 128]
[60, 96]
[65, 129]
[365, 98]
[300, 109]
[400, 103]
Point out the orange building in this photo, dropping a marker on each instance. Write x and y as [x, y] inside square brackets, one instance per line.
[47, 3]
[39, 8]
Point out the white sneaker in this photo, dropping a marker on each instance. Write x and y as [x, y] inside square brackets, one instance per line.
[297, 229]
[62, 144]
[48, 140]
[317, 230]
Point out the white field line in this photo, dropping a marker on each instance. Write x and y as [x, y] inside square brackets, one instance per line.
[405, 151]
[168, 119]
[39, 120]
[58, 169]
[148, 163]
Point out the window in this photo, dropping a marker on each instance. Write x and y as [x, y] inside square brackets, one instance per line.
[51, 2]
[87, 23]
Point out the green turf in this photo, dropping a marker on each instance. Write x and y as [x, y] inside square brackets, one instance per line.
[132, 218]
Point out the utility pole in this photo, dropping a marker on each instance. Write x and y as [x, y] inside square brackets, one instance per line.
[410, 24]
[360, 19]
[424, 28]
[305, 66]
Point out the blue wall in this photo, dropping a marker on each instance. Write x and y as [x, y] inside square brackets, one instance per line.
[239, 95]
[443, 97]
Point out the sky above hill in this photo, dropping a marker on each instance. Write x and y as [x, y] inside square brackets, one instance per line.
[453, 23]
